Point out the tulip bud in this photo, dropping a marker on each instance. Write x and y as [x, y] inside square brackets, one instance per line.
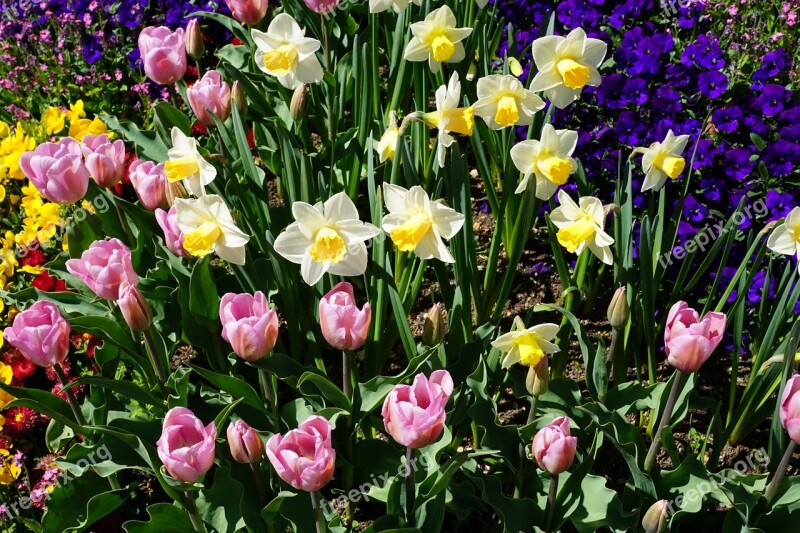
[434, 328]
[323, 7]
[655, 519]
[134, 307]
[538, 378]
[298, 105]
[194, 39]
[618, 311]
[239, 98]
[245, 444]
[553, 447]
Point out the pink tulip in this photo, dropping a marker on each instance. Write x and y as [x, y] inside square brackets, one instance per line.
[186, 447]
[248, 324]
[40, 333]
[173, 236]
[57, 170]
[210, 95]
[553, 448]
[414, 415]
[322, 6]
[689, 341]
[105, 160]
[103, 267]
[248, 11]
[344, 325]
[790, 408]
[304, 457]
[246, 445]
[149, 180]
[135, 310]
[163, 53]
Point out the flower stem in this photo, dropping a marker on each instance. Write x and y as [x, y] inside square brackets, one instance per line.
[655, 446]
[347, 385]
[191, 510]
[329, 67]
[319, 517]
[772, 488]
[410, 487]
[269, 396]
[158, 364]
[551, 502]
[73, 402]
[531, 416]
[262, 493]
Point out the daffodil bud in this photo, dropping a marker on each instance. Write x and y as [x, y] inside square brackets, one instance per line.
[298, 104]
[194, 40]
[618, 311]
[239, 98]
[655, 519]
[514, 67]
[538, 378]
[434, 329]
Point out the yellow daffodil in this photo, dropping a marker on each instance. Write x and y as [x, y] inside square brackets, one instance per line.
[186, 165]
[527, 346]
[566, 65]
[379, 6]
[53, 120]
[327, 237]
[581, 226]
[448, 117]
[417, 224]
[785, 239]
[285, 52]
[663, 160]
[549, 159]
[437, 40]
[503, 101]
[208, 226]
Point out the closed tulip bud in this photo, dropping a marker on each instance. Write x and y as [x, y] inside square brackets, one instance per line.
[553, 447]
[323, 7]
[239, 98]
[248, 11]
[538, 378]
[163, 52]
[618, 310]
[298, 105]
[690, 341]
[434, 328]
[194, 40]
[210, 95]
[343, 324]
[245, 443]
[655, 519]
[135, 309]
[248, 324]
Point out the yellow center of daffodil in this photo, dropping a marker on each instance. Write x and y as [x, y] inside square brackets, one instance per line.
[554, 168]
[179, 169]
[442, 48]
[328, 246]
[670, 164]
[459, 120]
[507, 112]
[407, 236]
[576, 233]
[281, 60]
[200, 241]
[575, 75]
[530, 353]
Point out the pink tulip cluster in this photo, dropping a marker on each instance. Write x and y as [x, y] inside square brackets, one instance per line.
[40, 333]
[343, 324]
[304, 457]
[186, 447]
[553, 447]
[163, 52]
[790, 408]
[248, 324]
[414, 414]
[690, 341]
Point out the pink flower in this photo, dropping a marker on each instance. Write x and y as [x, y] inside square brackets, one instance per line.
[135, 309]
[414, 415]
[344, 325]
[245, 443]
[186, 447]
[149, 180]
[57, 170]
[173, 236]
[790, 408]
[40, 333]
[103, 267]
[164, 54]
[105, 160]
[248, 11]
[553, 448]
[688, 340]
[210, 95]
[321, 6]
[248, 324]
[304, 457]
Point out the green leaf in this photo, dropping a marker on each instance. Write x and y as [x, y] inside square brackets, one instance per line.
[329, 391]
[79, 502]
[236, 387]
[203, 297]
[164, 518]
[220, 505]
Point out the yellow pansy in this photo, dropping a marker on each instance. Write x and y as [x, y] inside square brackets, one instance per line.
[53, 120]
[76, 111]
[83, 127]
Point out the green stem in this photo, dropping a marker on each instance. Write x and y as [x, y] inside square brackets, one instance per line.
[551, 503]
[411, 487]
[772, 488]
[521, 467]
[616, 352]
[656, 444]
[158, 364]
[262, 492]
[191, 510]
[269, 396]
[319, 518]
[347, 385]
[73, 402]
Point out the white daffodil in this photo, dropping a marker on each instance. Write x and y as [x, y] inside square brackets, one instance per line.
[566, 65]
[417, 224]
[785, 239]
[448, 117]
[326, 237]
[581, 225]
[663, 160]
[437, 40]
[286, 53]
[386, 146]
[208, 226]
[187, 165]
[379, 6]
[527, 346]
[503, 101]
[549, 159]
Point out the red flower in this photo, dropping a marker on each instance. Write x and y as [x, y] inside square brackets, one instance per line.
[66, 365]
[47, 283]
[22, 420]
[94, 342]
[191, 75]
[236, 41]
[21, 367]
[79, 390]
[198, 129]
[33, 258]
[251, 139]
